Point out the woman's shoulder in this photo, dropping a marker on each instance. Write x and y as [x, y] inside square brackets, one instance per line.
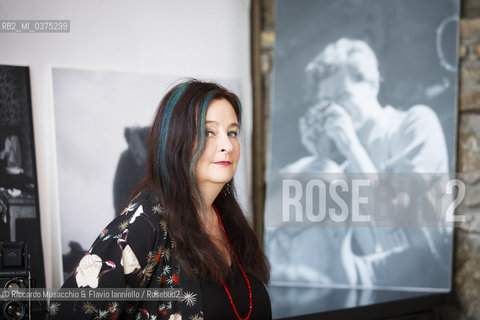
[140, 223]
[131, 240]
[129, 253]
[144, 210]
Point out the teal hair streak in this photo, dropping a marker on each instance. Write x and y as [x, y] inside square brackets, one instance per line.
[167, 114]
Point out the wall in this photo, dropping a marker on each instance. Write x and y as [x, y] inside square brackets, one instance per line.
[466, 278]
[204, 39]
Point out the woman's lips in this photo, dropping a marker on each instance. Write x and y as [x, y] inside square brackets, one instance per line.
[223, 163]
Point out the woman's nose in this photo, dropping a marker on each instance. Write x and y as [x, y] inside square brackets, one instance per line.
[225, 144]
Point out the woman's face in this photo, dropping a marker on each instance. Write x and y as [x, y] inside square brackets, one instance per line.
[219, 159]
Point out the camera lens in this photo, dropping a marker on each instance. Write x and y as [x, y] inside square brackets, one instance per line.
[15, 284]
[13, 310]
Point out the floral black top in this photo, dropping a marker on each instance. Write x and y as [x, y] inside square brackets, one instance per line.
[134, 250]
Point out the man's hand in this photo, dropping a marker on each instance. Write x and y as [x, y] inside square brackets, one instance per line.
[339, 127]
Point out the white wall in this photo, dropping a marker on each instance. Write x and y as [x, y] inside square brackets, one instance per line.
[204, 39]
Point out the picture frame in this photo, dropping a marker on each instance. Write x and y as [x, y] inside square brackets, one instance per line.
[19, 207]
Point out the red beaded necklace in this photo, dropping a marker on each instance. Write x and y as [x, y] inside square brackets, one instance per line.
[244, 275]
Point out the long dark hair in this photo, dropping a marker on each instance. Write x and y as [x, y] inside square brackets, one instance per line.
[176, 142]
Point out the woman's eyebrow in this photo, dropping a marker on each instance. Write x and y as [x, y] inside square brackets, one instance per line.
[233, 124]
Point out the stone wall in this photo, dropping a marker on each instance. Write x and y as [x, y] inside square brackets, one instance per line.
[466, 277]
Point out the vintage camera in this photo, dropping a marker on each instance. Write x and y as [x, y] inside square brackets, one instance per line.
[14, 274]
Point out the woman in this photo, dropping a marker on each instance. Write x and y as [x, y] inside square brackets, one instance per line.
[183, 228]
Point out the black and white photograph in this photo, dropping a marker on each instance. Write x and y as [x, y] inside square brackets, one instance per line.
[19, 213]
[364, 90]
[102, 124]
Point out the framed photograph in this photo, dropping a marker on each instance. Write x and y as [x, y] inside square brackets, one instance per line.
[362, 152]
[19, 209]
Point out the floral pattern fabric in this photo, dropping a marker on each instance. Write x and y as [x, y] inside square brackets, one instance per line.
[133, 251]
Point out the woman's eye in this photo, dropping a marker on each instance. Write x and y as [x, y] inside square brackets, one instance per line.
[209, 133]
[233, 134]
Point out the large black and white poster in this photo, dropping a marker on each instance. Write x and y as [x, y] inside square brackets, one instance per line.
[19, 213]
[362, 151]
